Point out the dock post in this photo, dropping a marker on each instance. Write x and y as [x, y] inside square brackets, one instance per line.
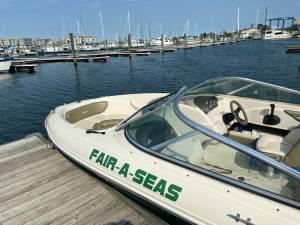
[106, 45]
[162, 44]
[53, 46]
[73, 48]
[35, 48]
[184, 41]
[18, 46]
[129, 45]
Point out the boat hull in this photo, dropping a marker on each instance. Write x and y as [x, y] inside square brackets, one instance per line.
[5, 65]
[278, 37]
[191, 196]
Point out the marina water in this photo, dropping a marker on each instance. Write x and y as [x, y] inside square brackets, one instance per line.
[26, 99]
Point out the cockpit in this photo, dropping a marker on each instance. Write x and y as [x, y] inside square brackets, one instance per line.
[238, 128]
[261, 116]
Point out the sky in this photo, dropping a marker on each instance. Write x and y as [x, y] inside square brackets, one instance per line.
[54, 18]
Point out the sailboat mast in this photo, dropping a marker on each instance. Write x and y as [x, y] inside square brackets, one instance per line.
[142, 30]
[101, 24]
[78, 28]
[128, 20]
[238, 21]
[257, 13]
[63, 28]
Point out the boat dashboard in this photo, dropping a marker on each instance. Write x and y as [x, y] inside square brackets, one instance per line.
[206, 103]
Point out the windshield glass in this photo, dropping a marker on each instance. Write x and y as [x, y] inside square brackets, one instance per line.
[153, 106]
[157, 127]
[246, 88]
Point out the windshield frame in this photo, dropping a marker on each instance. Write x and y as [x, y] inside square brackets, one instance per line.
[245, 79]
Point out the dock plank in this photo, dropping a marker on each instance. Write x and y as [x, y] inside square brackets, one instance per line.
[19, 146]
[22, 161]
[29, 169]
[40, 186]
[31, 208]
[48, 201]
[46, 177]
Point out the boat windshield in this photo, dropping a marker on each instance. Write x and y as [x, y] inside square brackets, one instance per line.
[153, 106]
[245, 88]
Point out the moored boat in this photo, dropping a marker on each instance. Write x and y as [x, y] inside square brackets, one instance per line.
[277, 34]
[5, 64]
[225, 151]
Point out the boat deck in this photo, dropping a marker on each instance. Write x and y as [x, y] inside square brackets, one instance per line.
[39, 185]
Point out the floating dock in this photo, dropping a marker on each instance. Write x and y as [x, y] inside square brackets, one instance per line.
[30, 68]
[38, 185]
[55, 59]
[293, 49]
[103, 56]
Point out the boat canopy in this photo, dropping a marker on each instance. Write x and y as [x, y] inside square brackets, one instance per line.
[163, 128]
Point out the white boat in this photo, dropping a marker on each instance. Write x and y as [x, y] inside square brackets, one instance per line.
[5, 64]
[217, 153]
[157, 42]
[30, 52]
[277, 34]
[55, 49]
[88, 47]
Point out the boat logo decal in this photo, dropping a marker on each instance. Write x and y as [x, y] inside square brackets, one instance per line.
[141, 177]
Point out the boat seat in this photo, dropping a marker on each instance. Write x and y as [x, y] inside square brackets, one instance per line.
[277, 145]
[292, 159]
[154, 132]
[85, 111]
[106, 124]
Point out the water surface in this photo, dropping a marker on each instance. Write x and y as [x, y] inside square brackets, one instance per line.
[25, 100]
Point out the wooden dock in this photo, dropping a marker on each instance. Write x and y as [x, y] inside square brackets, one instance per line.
[39, 185]
[55, 59]
[293, 49]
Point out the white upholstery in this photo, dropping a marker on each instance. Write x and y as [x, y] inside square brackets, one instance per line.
[293, 136]
[277, 145]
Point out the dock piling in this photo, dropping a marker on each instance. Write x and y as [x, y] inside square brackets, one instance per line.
[162, 44]
[129, 45]
[106, 45]
[73, 48]
[185, 41]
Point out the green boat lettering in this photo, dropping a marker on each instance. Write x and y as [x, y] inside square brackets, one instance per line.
[124, 170]
[154, 184]
[141, 177]
[103, 160]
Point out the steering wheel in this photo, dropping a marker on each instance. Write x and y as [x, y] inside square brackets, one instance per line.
[235, 113]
